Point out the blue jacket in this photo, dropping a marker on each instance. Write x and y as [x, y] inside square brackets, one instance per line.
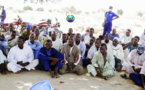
[43, 55]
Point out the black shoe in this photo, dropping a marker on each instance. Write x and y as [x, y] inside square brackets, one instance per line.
[124, 76]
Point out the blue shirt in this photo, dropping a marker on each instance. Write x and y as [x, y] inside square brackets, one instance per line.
[109, 16]
[131, 48]
[4, 14]
[33, 46]
[113, 36]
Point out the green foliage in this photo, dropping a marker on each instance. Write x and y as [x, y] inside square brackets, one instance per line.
[120, 12]
[79, 12]
[40, 9]
[28, 8]
[10, 8]
[50, 10]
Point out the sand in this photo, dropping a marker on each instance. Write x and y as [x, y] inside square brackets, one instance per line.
[25, 79]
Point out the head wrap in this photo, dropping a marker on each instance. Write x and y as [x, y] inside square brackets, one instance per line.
[117, 39]
[141, 48]
[29, 26]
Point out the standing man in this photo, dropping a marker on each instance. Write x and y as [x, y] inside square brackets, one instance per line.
[3, 15]
[109, 17]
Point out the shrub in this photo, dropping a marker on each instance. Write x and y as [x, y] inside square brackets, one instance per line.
[40, 9]
[120, 12]
[28, 8]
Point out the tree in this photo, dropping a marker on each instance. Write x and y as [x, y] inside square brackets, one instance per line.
[120, 12]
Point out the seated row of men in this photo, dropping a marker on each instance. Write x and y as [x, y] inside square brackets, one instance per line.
[102, 57]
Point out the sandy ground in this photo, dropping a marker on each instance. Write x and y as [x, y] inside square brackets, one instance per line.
[24, 80]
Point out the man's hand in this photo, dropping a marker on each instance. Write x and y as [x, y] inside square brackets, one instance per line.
[131, 43]
[137, 70]
[54, 59]
[26, 64]
[118, 60]
[133, 67]
[88, 46]
[69, 68]
[20, 62]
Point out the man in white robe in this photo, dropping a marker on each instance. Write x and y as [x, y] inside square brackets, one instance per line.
[92, 51]
[134, 61]
[12, 40]
[88, 37]
[127, 37]
[107, 40]
[21, 57]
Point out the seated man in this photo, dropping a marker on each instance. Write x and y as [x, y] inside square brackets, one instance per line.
[3, 46]
[3, 61]
[107, 40]
[139, 78]
[12, 40]
[91, 52]
[88, 46]
[133, 44]
[126, 38]
[71, 61]
[64, 39]
[26, 33]
[134, 61]
[102, 64]
[56, 43]
[21, 57]
[117, 50]
[86, 33]
[38, 37]
[50, 59]
[70, 32]
[80, 45]
[89, 36]
[11, 28]
[34, 44]
[113, 35]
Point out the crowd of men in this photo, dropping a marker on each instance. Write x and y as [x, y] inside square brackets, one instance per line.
[44, 49]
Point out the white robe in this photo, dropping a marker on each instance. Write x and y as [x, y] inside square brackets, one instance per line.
[108, 44]
[57, 44]
[12, 42]
[143, 69]
[117, 51]
[92, 51]
[133, 59]
[87, 39]
[25, 55]
[126, 39]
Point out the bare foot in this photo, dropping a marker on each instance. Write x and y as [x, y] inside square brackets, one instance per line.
[105, 78]
[52, 75]
[56, 75]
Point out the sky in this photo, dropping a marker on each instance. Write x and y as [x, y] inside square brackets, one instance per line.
[128, 6]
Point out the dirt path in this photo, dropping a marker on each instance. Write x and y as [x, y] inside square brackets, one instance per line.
[25, 80]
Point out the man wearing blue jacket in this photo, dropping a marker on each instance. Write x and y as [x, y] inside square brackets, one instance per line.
[50, 59]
